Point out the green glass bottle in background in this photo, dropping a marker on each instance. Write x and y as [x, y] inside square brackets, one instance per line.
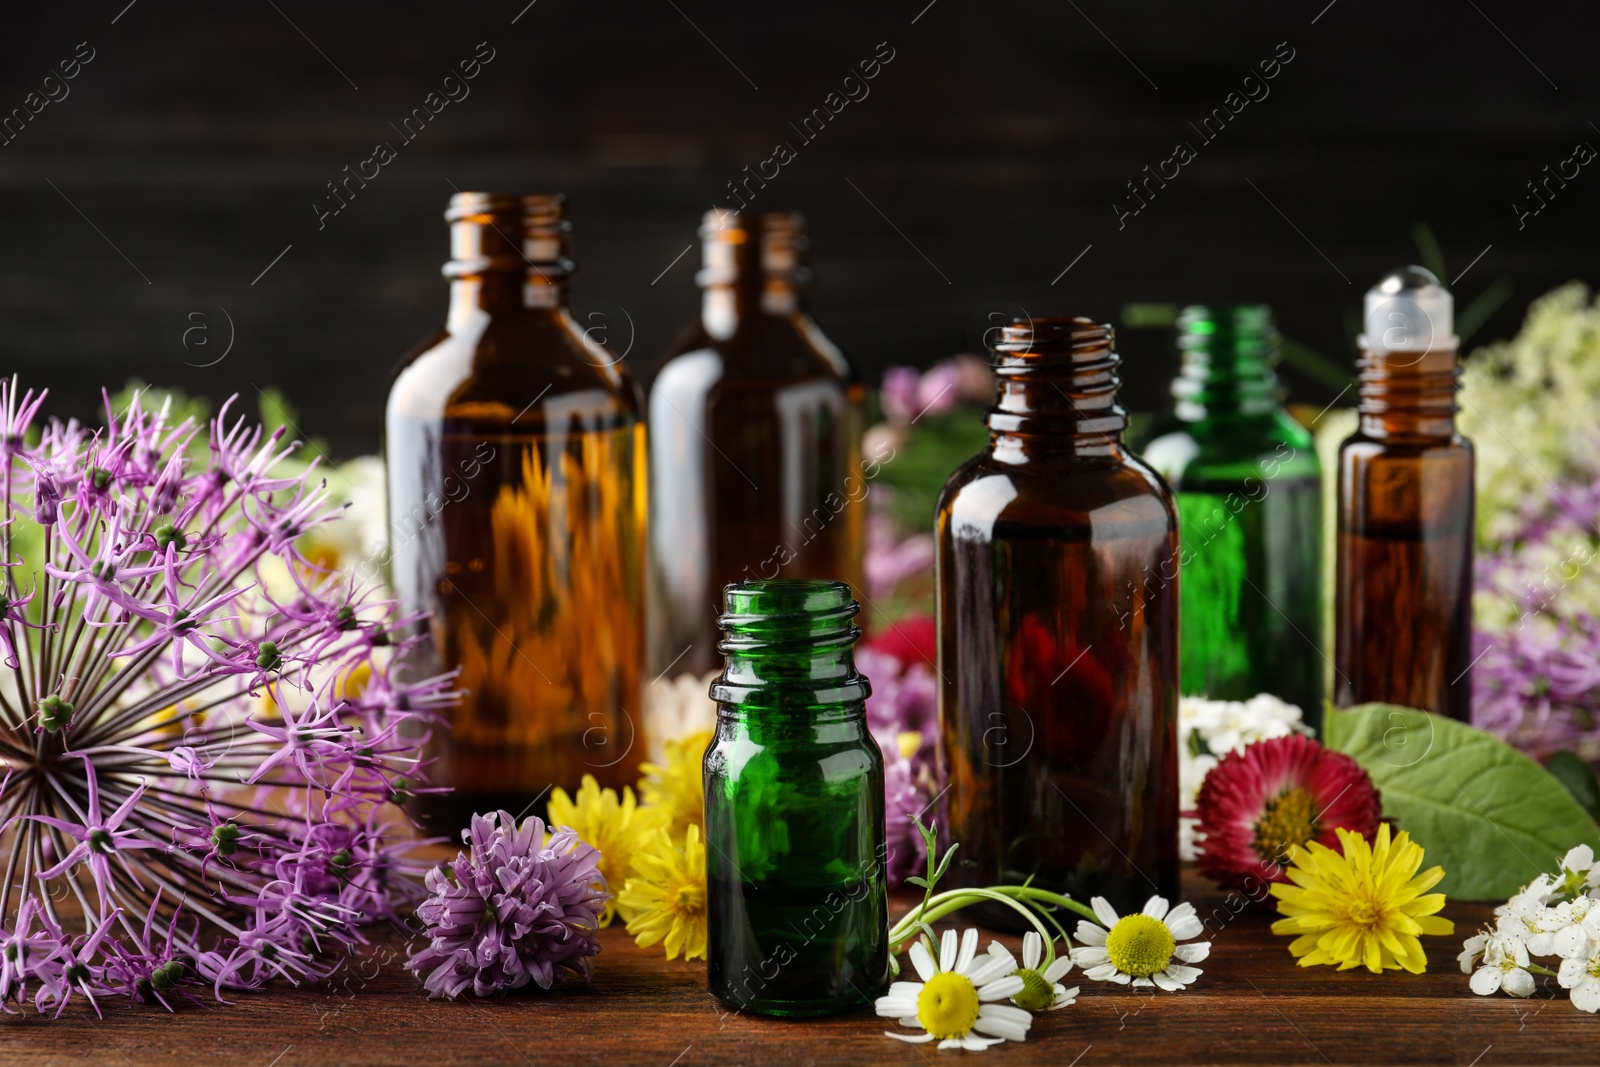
[1248, 486]
[797, 905]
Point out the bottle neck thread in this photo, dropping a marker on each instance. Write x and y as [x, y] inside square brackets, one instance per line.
[507, 252]
[1408, 394]
[751, 264]
[1057, 389]
[1228, 360]
[789, 648]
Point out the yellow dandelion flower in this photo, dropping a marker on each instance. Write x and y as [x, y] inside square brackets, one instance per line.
[667, 895]
[1366, 907]
[677, 785]
[617, 827]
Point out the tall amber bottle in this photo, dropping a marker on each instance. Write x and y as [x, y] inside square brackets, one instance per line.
[1058, 635]
[755, 458]
[516, 460]
[1403, 607]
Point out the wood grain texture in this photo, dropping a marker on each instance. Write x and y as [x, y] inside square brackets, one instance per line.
[1253, 1005]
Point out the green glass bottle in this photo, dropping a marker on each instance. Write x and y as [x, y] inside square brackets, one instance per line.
[797, 905]
[1248, 486]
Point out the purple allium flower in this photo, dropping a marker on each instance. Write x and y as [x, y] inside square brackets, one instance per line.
[517, 910]
[891, 559]
[175, 745]
[898, 394]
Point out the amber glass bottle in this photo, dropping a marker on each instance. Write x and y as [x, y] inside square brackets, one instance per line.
[1249, 491]
[1058, 635]
[755, 459]
[516, 461]
[1403, 608]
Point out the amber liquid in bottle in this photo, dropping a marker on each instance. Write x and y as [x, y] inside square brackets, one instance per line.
[1404, 587]
[516, 461]
[756, 421]
[1058, 636]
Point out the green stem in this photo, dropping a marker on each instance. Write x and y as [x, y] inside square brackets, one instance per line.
[1017, 897]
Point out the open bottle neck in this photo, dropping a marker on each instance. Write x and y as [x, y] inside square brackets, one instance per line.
[507, 254]
[752, 266]
[789, 653]
[1227, 372]
[1057, 392]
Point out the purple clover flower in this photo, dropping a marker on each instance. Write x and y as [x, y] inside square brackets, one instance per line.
[177, 745]
[516, 910]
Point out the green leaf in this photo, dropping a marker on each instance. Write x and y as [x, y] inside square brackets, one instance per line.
[1578, 777]
[1490, 816]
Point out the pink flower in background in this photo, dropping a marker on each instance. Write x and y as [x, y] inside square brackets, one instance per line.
[902, 714]
[890, 560]
[898, 394]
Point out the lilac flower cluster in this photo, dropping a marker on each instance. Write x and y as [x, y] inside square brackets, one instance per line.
[902, 713]
[1536, 680]
[199, 733]
[517, 910]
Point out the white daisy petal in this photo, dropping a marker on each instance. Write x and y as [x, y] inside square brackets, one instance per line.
[1104, 912]
[1056, 970]
[1141, 983]
[906, 989]
[1064, 997]
[950, 1042]
[1183, 975]
[1002, 1010]
[990, 968]
[969, 949]
[1032, 950]
[1105, 972]
[1183, 922]
[1193, 952]
[948, 947]
[910, 1039]
[975, 1043]
[1090, 934]
[1156, 907]
[1161, 980]
[912, 1021]
[922, 961]
[1001, 1028]
[1089, 955]
[1001, 988]
[895, 1007]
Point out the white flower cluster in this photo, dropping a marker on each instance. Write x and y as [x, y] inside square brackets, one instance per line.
[1210, 729]
[1553, 915]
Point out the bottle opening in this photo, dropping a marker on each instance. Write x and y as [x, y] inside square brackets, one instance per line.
[508, 232]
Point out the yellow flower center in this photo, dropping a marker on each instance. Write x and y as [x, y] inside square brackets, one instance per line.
[690, 897]
[1139, 945]
[1037, 994]
[1364, 912]
[1290, 818]
[948, 1006]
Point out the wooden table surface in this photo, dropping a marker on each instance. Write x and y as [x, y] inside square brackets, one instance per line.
[1253, 1005]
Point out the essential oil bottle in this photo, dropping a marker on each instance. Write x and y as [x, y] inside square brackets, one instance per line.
[755, 424]
[1403, 609]
[796, 909]
[516, 465]
[1248, 486]
[1057, 579]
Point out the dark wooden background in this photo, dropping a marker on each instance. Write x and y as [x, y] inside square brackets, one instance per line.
[991, 148]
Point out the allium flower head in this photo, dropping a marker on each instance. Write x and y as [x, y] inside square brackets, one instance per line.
[517, 909]
[1258, 803]
[179, 759]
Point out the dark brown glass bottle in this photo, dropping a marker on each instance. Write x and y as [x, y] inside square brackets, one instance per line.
[1058, 635]
[516, 461]
[755, 458]
[1403, 608]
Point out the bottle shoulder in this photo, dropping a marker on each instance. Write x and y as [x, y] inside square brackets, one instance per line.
[765, 351]
[501, 365]
[984, 491]
[1191, 454]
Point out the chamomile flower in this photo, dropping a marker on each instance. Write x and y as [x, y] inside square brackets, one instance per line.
[1041, 987]
[959, 1000]
[1141, 949]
